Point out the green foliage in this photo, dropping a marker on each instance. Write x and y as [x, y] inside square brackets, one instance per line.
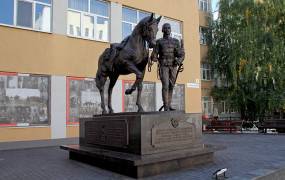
[247, 50]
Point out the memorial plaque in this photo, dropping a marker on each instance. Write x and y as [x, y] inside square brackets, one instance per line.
[169, 136]
[107, 134]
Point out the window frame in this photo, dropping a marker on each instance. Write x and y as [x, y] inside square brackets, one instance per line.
[131, 23]
[34, 3]
[209, 103]
[204, 3]
[206, 70]
[203, 37]
[173, 34]
[95, 16]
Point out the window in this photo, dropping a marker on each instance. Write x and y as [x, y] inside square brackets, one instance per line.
[225, 110]
[207, 105]
[42, 17]
[220, 107]
[176, 28]
[31, 14]
[88, 19]
[204, 5]
[131, 17]
[203, 35]
[6, 12]
[24, 99]
[206, 71]
[24, 14]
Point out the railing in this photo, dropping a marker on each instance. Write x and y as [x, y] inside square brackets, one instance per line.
[225, 125]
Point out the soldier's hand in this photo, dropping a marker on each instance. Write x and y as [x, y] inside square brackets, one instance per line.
[182, 43]
[177, 62]
[153, 58]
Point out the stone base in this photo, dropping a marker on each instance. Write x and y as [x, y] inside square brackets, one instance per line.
[139, 166]
[142, 133]
[142, 144]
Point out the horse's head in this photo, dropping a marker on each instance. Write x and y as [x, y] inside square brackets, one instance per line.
[149, 28]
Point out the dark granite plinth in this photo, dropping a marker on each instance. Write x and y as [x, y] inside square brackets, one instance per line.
[142, 144]
[142, 133]
[139, 166]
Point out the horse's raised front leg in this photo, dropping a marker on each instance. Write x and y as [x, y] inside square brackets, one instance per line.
[113, 80]
[139, 76]
[100, 82]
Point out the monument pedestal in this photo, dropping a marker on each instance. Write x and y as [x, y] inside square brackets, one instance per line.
[141, 144]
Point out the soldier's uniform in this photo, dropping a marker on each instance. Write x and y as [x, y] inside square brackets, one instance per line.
[168, 53]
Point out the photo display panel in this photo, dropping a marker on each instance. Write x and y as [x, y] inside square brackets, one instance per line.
[147, 97]
[24, 99]
[83, 98]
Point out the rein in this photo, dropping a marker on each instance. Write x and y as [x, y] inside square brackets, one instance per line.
[149, 64]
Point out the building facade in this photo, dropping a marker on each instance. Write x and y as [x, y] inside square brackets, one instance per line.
[206, 71]
[49, 52]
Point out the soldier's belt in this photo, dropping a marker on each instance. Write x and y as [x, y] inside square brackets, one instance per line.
[167, 57]
[168, 65]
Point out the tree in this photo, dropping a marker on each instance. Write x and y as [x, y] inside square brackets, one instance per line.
[247, 51]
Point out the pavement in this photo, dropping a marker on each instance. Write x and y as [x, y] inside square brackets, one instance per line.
[247, 156]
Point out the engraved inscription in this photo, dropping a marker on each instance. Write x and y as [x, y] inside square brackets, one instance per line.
[108, 133]
[170, 136]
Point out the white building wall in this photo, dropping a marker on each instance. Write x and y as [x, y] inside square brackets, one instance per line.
[58, 107]
[116, 22]
[59, 16]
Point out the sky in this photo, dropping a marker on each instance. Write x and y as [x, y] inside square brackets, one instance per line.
[215, 8]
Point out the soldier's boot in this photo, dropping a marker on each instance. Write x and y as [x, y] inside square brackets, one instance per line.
[165, 100]
[166, 108]
[170, 92]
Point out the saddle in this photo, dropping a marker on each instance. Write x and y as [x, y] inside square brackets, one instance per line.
[111, 53]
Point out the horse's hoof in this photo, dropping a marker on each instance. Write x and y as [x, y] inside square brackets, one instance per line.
[111, 111]
[104, 112]
[129, 91]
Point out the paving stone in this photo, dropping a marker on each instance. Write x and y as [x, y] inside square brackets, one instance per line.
[246, 156]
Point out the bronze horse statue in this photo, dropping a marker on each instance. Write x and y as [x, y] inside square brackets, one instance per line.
[130, 56]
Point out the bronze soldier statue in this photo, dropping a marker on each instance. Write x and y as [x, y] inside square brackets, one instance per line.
[169, 55]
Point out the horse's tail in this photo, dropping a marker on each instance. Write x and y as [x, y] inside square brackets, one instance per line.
[104, 56]
[105, 63]
[107, 56]
[98, 80]
[101, 71]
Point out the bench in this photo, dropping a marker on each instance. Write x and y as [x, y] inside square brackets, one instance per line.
[278, 124]
[224, 125]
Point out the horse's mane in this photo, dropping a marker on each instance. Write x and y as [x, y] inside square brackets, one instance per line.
[135, 31]
[141, 24]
